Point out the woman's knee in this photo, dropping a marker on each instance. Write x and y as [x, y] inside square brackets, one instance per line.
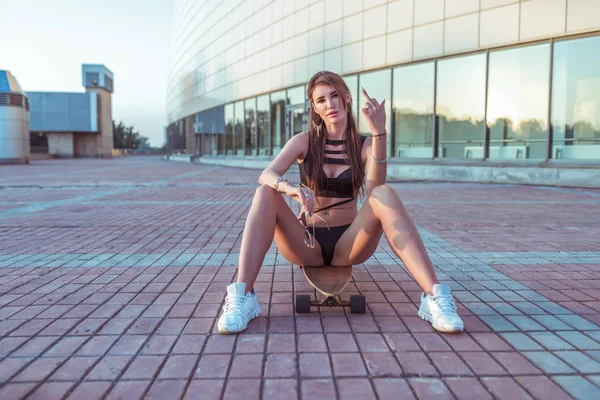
[265, 191]
[383, 192]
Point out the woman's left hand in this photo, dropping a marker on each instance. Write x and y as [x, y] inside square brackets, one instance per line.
[374, 114]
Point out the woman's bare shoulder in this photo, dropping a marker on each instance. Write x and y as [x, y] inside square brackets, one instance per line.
[301, 143]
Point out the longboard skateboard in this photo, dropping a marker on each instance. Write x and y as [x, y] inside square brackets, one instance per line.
[329, 281]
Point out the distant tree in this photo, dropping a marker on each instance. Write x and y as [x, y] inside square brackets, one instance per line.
[124, 137]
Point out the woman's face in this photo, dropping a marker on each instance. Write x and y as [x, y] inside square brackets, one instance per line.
[328, 103]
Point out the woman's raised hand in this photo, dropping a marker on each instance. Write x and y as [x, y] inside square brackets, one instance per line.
[374, 114]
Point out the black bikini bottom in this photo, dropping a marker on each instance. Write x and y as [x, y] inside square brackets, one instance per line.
[328, 238]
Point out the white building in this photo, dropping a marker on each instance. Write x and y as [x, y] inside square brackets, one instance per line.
[477, 90]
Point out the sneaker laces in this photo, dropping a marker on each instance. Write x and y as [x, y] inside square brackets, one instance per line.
[445, 303]
[234, 302]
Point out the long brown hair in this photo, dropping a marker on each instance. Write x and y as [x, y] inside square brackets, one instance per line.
[318, 134]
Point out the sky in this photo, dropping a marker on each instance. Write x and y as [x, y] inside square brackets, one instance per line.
[44, 42]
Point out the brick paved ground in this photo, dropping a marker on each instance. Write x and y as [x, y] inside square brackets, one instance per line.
[112, 273]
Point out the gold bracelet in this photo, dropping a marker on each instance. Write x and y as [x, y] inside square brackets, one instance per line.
[378, 161]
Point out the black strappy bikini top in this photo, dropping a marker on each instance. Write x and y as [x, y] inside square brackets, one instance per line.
[338, 187]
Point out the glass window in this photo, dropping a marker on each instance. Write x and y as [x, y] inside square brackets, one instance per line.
[460, 106]
[576, 99]
[518, 102]
[352, 83]
[296, 95]
[378, 85]
[239, 128]
[296, 110]
[227, 140]
[262, 118]
[250, 131]
[278, 136]
[413, 111]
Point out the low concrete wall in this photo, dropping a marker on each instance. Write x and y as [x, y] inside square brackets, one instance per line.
[478, 172]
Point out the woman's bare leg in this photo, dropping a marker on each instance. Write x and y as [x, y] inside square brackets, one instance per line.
[270, 217]
[384, 210]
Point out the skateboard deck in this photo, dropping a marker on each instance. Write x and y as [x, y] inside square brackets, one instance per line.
[328, 280]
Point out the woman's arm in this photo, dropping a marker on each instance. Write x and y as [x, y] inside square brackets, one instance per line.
[375, 148]
[294, 149]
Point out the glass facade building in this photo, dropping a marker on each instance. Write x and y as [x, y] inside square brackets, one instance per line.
[469, 82]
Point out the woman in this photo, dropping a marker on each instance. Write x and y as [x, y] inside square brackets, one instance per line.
[335, 164]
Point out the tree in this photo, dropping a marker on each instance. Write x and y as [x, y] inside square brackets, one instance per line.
[124, 137]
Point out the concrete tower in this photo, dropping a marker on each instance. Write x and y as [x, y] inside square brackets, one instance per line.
[14, 121]
[96, 78]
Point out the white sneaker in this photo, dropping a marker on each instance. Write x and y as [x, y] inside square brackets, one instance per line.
[439, 309]
[239, 309]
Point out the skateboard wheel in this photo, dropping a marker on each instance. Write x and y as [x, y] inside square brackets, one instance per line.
[302, 303]
[358, 304]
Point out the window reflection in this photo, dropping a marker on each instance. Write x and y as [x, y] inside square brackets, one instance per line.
[262, 115]
[518, 102]
[296, 110]
[227, 140]
[460, 106]
[576, 99]
[413, 111]
[239, 128]
[378, 86]
[250, 127]
[352, 83]
[296, 95]
[278, 137]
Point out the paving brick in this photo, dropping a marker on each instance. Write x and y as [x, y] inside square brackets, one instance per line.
[273, 389]
[34, 347]
[482, 363]
[314, 365]
[515, 363]
[579, 340]
[355, 388]
[163, 389]
[467, 388]
[521, 341]
[371, 342]
[127, 345]
[311, 343]
[50, 390]
[382, 364]
[128, 390]
[416, 363]
[505, 388]
[548, 362]
[16, 390]
[579, 361]
[206, 389]
[348, 364]
[429, 388]
[158, 345]
[144, 367]
[578, 387]
[213, 366]
[281, 365]
[449, 364]
[38, 370]
[189, 344]
[318, 389]
[109, 368]
[389, 388]
[89, 390]
[542, 387]
[73, 369]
